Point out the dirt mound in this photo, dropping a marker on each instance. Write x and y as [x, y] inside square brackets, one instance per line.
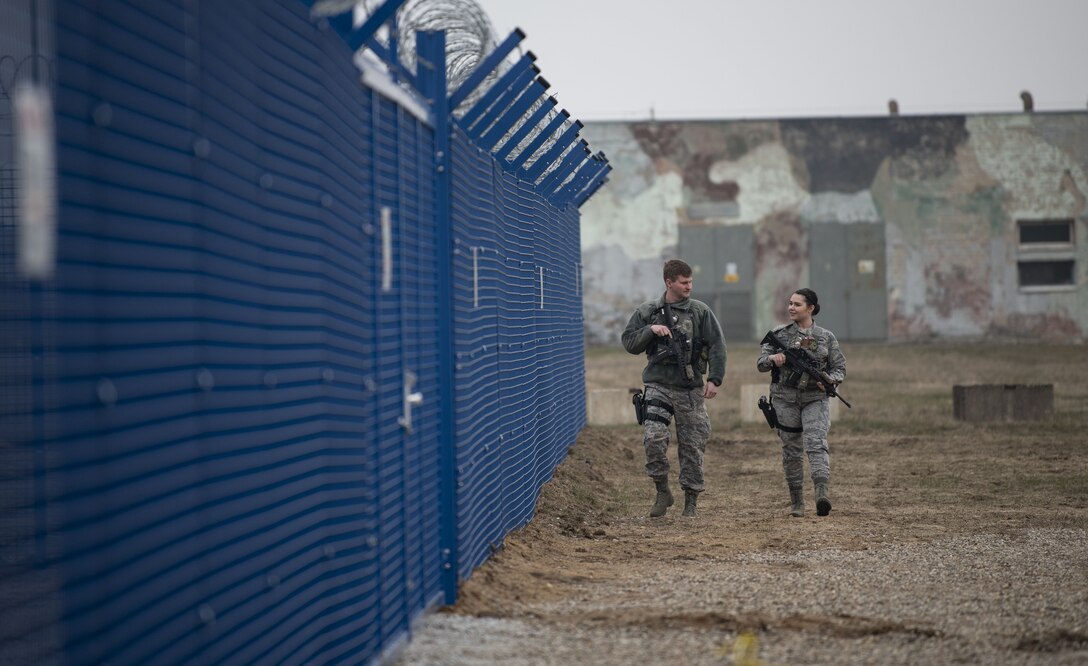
[580, 502]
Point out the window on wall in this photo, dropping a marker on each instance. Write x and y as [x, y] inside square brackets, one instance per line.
[1046, 232]
[1046, 259]
[1045, 273]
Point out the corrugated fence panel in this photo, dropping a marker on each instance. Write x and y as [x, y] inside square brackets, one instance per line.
[30, 631]
[519, 347]
[229, 371]
[479, 283]
[223, 439]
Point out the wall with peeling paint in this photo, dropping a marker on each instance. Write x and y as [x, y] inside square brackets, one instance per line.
[948, 190]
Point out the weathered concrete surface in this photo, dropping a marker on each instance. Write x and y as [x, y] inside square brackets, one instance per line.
[949, 190]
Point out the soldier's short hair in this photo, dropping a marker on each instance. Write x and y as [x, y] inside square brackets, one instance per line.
[674, 268]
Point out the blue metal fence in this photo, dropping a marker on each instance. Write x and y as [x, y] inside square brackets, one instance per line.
[308, 354]
[518, 324]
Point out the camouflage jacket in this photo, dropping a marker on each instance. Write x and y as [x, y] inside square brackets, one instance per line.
[822, 346]
[700, 325]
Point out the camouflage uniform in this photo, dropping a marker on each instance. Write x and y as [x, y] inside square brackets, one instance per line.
[666, 381]
[800, 404]
[692, 431]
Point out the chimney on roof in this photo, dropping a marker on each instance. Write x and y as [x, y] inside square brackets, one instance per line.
[1029, 103]
[893, 107]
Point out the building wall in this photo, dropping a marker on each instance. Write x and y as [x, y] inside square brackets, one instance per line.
[950, 192]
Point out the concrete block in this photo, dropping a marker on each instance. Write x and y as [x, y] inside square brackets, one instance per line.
[610, 407]
[749, 399]
[749, 402]
[1003, 402]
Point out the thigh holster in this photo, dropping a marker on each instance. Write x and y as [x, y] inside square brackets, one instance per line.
[771, 415]
[642, 409]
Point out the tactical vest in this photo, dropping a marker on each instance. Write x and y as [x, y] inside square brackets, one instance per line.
[682, 320]
[792, 378]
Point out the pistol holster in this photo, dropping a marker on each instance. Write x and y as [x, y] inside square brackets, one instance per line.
[640, 406]
[771, 415]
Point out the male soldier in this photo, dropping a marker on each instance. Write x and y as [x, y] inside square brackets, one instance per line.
[679, 335]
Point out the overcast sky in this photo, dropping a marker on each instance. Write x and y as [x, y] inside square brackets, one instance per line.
[618, 59]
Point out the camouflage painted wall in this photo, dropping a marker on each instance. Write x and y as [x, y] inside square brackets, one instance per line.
[950, 191]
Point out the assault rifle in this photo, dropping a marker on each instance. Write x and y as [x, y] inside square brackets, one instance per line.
[801, 361]
[677, 343]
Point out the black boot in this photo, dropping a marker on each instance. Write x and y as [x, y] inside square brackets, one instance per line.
[690, 497]
[823, 502]
[797, 502]
[664, 497]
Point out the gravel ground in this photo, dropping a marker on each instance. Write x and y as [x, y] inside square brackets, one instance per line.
[977, 599]
[949, 542]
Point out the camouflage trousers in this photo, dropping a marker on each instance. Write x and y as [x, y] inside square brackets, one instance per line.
[692, 431]
[808, 410]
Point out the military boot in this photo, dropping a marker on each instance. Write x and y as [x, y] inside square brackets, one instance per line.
[797, 502]
[690, 497]
[664, 497]
[823, 503]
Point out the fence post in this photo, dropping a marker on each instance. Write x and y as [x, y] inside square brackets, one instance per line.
[431, 74]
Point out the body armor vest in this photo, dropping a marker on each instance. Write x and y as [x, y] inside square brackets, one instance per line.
[683, 328]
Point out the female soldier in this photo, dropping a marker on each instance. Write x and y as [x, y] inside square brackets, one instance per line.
[800, 401]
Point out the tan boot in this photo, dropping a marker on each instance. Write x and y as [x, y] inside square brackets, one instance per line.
[664, 497]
